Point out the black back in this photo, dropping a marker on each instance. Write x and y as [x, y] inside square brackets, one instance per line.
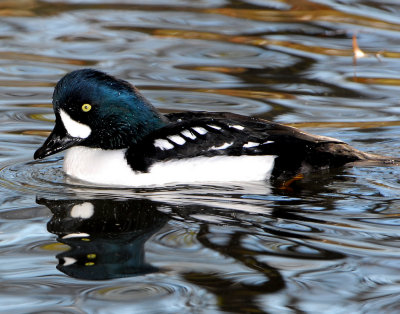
[235, 135]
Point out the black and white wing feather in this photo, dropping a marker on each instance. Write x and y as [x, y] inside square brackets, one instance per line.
[195, 134]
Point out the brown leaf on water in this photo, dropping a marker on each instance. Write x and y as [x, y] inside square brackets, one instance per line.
[357, 52]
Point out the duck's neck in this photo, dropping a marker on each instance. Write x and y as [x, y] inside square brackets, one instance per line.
[146, 116]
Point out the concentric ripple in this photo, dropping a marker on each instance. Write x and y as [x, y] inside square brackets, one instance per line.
[139, 297]
[32, 176]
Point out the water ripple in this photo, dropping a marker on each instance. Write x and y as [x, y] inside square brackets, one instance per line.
[172, 296]
[328, 245]
[43, 176]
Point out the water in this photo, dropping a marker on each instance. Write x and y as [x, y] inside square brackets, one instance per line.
[331, 245]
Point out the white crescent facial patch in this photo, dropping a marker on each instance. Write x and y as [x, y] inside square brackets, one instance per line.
[74, 128]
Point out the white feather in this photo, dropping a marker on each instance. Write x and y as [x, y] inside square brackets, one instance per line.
[74, 128]
[188, 134]
[176, 139]
[200, 130]
[216, 127]
[109, 167]
[268, 142]
[237, 127]
[251, 144]
[163, 144]
[223, 146]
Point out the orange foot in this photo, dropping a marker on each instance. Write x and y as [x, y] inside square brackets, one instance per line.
[286, 185]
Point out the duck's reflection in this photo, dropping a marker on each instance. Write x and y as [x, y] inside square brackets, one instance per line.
[248, 236]
[106, 236]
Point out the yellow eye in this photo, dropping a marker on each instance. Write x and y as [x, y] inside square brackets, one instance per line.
[86, 107]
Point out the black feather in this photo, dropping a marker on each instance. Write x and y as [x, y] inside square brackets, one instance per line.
[295, 151]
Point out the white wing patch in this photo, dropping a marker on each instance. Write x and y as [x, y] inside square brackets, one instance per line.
[176, 139]
[188, 134]
[267, 142]
[74, 128]
[251, 144]
[237, 127]
[200, 130]
[216, 127]
[163, 144]
[223, 146]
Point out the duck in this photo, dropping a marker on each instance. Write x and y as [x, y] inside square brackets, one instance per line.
[114, 136]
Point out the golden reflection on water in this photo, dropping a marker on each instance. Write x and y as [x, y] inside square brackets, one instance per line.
[56, 246]
[302, 11]
[258, 41]
[43, 105]
[18, 8]
[253, 94]
[15, 83]
[357, 124]
[219, 69]
[12, 55]
[40, 117]
[34, 132]
[376, 80]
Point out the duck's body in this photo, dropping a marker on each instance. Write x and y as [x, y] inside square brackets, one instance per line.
[115, 137]
[111, 168]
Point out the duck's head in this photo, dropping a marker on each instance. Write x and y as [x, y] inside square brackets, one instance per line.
[96, 110]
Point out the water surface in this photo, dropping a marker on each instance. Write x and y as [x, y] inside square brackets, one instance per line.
[331, 245]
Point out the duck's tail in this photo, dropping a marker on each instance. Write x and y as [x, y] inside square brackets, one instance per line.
[347, 154]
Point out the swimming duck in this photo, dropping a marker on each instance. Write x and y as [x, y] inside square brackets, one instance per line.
[114, 136]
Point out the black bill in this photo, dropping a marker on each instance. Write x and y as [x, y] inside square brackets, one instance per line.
[57, 141]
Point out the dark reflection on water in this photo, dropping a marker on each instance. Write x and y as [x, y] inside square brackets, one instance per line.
[328, 245]
[106, 236]
[243, 248]
[107, 240]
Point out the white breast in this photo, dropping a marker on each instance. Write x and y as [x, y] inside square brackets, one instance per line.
[109, 167]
